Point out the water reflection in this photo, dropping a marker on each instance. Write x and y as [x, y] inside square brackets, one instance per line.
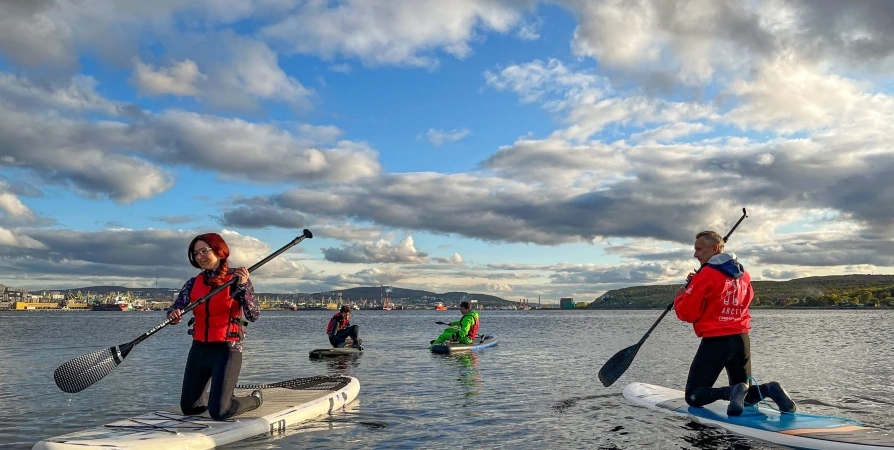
[705, 438]
[468, 372]
[341, 365]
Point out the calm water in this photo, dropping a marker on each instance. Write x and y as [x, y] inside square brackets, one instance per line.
[536, 389]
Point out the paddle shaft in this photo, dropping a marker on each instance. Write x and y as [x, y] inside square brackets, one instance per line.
[226, 285]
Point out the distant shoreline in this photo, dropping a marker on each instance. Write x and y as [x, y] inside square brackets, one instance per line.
[765, 308]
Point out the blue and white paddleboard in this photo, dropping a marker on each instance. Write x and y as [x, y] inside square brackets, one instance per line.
[454, 347]
[792, 430]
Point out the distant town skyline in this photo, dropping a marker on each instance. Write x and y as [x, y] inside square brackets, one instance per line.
[559, 148]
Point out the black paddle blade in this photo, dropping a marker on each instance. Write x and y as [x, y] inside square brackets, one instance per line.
[81, 372]
[617, 365]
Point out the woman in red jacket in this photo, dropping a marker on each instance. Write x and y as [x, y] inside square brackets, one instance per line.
[216, 352]
[715, 302]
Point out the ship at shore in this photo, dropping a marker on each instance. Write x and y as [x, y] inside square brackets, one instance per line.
[111, 307]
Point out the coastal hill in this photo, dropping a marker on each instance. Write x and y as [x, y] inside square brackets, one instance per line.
[397, 295]
[824, 291]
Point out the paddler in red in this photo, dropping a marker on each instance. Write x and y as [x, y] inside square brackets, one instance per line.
[215, 357]
[715, 301]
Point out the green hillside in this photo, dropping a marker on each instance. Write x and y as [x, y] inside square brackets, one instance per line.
[825, 291]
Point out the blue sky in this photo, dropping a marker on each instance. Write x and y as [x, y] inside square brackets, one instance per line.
[523, 148]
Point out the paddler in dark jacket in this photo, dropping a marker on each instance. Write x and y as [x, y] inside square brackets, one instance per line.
[716, 302]
[340, 329]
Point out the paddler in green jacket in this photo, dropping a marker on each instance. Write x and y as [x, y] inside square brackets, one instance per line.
[464, 330]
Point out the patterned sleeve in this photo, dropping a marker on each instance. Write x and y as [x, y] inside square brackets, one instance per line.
[245, 294]
[183, 296]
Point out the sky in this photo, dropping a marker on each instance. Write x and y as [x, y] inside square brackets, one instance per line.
[516, 148]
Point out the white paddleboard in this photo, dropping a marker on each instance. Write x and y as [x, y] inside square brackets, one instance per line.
[285, 404]
[794, 430]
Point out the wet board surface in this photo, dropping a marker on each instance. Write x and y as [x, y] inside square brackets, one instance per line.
[285, 403]
[797, 430]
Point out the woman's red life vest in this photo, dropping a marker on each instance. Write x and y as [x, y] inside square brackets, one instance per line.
[473, 331]
[219, 319]
[337, 321]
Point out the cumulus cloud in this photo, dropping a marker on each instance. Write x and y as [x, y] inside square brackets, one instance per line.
[782, 97]
[455, 259]
[440, 137]
[533, 81]
[381, 251]
[671, 132]
[12, 207]
[386, 32]
[75, 95]
[132, 147]
[178, 79]
[347, 231]
[121, 254]
[19, 241]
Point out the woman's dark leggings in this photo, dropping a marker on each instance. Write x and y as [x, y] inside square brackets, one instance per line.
[219, 364]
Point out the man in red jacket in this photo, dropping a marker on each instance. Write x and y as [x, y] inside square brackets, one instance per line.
[716, 302]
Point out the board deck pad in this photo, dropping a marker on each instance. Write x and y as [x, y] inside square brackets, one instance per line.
[285, 403]
[454, 347]
[798, 430]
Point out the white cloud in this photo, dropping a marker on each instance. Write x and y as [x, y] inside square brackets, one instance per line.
[381, 251]
[15, 240]
[455, 259]
[385, 32]
[178, 79]
[238, 72]
[320, 133]
[440, 137]
[534, 80]
[341, 68]
[67, 150]
[77, 95]
[784, 97]
[530, 30]
[13, 207]
[671, 132]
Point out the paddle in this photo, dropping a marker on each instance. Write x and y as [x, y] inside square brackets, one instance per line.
[81, 372]
[618, 364]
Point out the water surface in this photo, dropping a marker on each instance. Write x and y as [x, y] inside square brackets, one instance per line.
[536, 389]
